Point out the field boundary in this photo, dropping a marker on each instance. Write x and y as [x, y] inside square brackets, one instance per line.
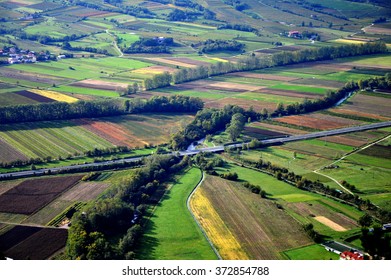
[195, 219]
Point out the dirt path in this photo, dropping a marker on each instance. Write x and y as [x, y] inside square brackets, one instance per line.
[121, 54]
[345, 156]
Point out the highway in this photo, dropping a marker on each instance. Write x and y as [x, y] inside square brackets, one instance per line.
[217, 149]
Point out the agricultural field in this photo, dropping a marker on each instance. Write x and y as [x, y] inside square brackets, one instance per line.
[32, 243]
[31, 195]
[82, 54]
[296, 207]
[62, 139]
[160, 241]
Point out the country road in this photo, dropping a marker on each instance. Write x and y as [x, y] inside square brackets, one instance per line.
[217, 149]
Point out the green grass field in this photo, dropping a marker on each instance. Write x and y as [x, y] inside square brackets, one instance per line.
[171, 233]
[312, 252]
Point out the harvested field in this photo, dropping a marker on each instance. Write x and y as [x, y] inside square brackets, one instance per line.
[377, 30]
[97, 84]
[318, 121]
[325, 215]
[259, 133]
[329, 223]
[254, 221]
[40, 245]
[34, 96]
[232, 86]
[84, 191]
[262, 76]
[31, 195]
[369, 104]
[358, 114]
[55, 95]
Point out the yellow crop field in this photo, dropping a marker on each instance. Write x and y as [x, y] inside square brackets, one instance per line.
[217, 231]
[219, 59]
[347, 41]
[55, 95]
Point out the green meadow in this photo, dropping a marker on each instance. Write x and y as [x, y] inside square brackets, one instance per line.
[171, 232]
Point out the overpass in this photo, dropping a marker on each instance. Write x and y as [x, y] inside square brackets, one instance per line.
[217, 149]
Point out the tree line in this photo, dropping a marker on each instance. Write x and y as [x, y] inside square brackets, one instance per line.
[110, 227]
[253, 62]
[96, 108]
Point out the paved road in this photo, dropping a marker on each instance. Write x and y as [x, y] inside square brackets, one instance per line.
[274, 141]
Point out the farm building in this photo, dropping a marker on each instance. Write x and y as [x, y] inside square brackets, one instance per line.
[338, 248]
[354, 256]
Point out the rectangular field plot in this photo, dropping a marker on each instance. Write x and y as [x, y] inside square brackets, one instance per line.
[43, 139]
[31, 243]
[31, 195]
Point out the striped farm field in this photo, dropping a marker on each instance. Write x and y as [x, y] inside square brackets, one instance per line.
[251, 220]
[55, 95]
[136, 130]
[50, 139]
[228, 246]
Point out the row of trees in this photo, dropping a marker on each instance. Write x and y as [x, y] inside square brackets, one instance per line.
[110, 227]
[96, 108]
[284, 58]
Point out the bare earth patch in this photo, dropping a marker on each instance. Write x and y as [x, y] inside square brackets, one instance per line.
[97, 84]
[330, 223]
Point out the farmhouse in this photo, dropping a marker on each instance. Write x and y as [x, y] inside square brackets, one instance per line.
[294, 34]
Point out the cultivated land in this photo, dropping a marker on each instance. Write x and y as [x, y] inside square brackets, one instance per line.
[241, 225]
[171, 232]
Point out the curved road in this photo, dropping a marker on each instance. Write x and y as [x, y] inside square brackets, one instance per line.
[217, 149]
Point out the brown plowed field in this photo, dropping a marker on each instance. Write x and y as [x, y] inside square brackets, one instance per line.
[16, 235]
[369, 104]
[318, 121]
[263, 76]
[34, 96]
[97, 84]
[8, 153]
[7, 185]
[261, 228]
[40, 245]
[261, 133]
[31, 195]
[345, 140]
